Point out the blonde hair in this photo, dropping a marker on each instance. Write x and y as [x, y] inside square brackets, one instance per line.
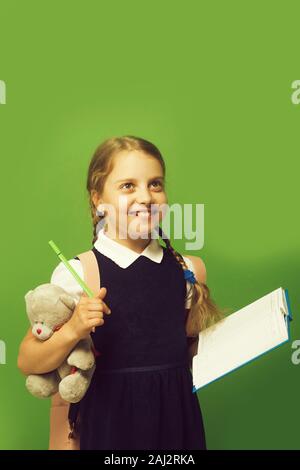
[203, 312]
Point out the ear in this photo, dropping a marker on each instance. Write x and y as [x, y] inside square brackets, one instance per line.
[27, 297]
[67, 300]
[95, 197]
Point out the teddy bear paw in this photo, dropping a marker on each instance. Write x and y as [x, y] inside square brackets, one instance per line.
[43, 385]
[74, 386]
[81, 359]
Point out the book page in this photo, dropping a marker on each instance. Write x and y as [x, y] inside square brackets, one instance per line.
[240, 337]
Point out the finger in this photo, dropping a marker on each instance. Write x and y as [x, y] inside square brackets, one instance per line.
[93, 315]
[106, 309]
[94, 322]
[102, 293]
[92, 302]
[99, 307]
[95, 307]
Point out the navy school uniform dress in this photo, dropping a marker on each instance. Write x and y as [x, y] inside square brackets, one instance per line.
[140, 396]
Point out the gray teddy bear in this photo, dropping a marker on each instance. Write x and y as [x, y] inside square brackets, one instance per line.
[48, 307]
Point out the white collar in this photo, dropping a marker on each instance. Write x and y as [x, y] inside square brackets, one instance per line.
[124, 256]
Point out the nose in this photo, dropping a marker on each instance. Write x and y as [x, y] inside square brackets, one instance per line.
[38, 331]
[144, 196]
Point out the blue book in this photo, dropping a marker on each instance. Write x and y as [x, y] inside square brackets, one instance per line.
[242, 337]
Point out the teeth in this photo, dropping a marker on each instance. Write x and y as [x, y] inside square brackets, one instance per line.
[139, 212]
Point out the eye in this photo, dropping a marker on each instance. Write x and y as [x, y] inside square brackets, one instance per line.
[125, 184]
[157, 184]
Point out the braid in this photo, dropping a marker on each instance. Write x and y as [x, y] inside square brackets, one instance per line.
[97, 221]
[203, 312]
[176, 255]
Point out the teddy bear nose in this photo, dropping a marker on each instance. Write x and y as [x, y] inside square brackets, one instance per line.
[38, 331]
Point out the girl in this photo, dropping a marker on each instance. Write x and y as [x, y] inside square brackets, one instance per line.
[155, 302]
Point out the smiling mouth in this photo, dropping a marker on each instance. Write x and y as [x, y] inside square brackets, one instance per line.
[142, 213]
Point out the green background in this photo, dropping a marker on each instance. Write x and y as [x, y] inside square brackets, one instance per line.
[210, 84]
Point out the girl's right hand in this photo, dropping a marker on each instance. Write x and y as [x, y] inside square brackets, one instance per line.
[88, 314]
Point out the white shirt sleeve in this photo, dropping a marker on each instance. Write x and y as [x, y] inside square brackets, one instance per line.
[189, 285]
[62, 277]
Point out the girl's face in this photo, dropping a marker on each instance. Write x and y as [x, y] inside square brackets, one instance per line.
[135, 190]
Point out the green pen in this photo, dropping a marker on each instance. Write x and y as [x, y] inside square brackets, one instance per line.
[82, 284]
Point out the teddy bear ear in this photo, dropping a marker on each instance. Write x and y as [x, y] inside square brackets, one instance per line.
[67, 300]
[27, 296]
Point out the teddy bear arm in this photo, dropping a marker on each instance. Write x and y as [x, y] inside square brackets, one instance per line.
[82, 355]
